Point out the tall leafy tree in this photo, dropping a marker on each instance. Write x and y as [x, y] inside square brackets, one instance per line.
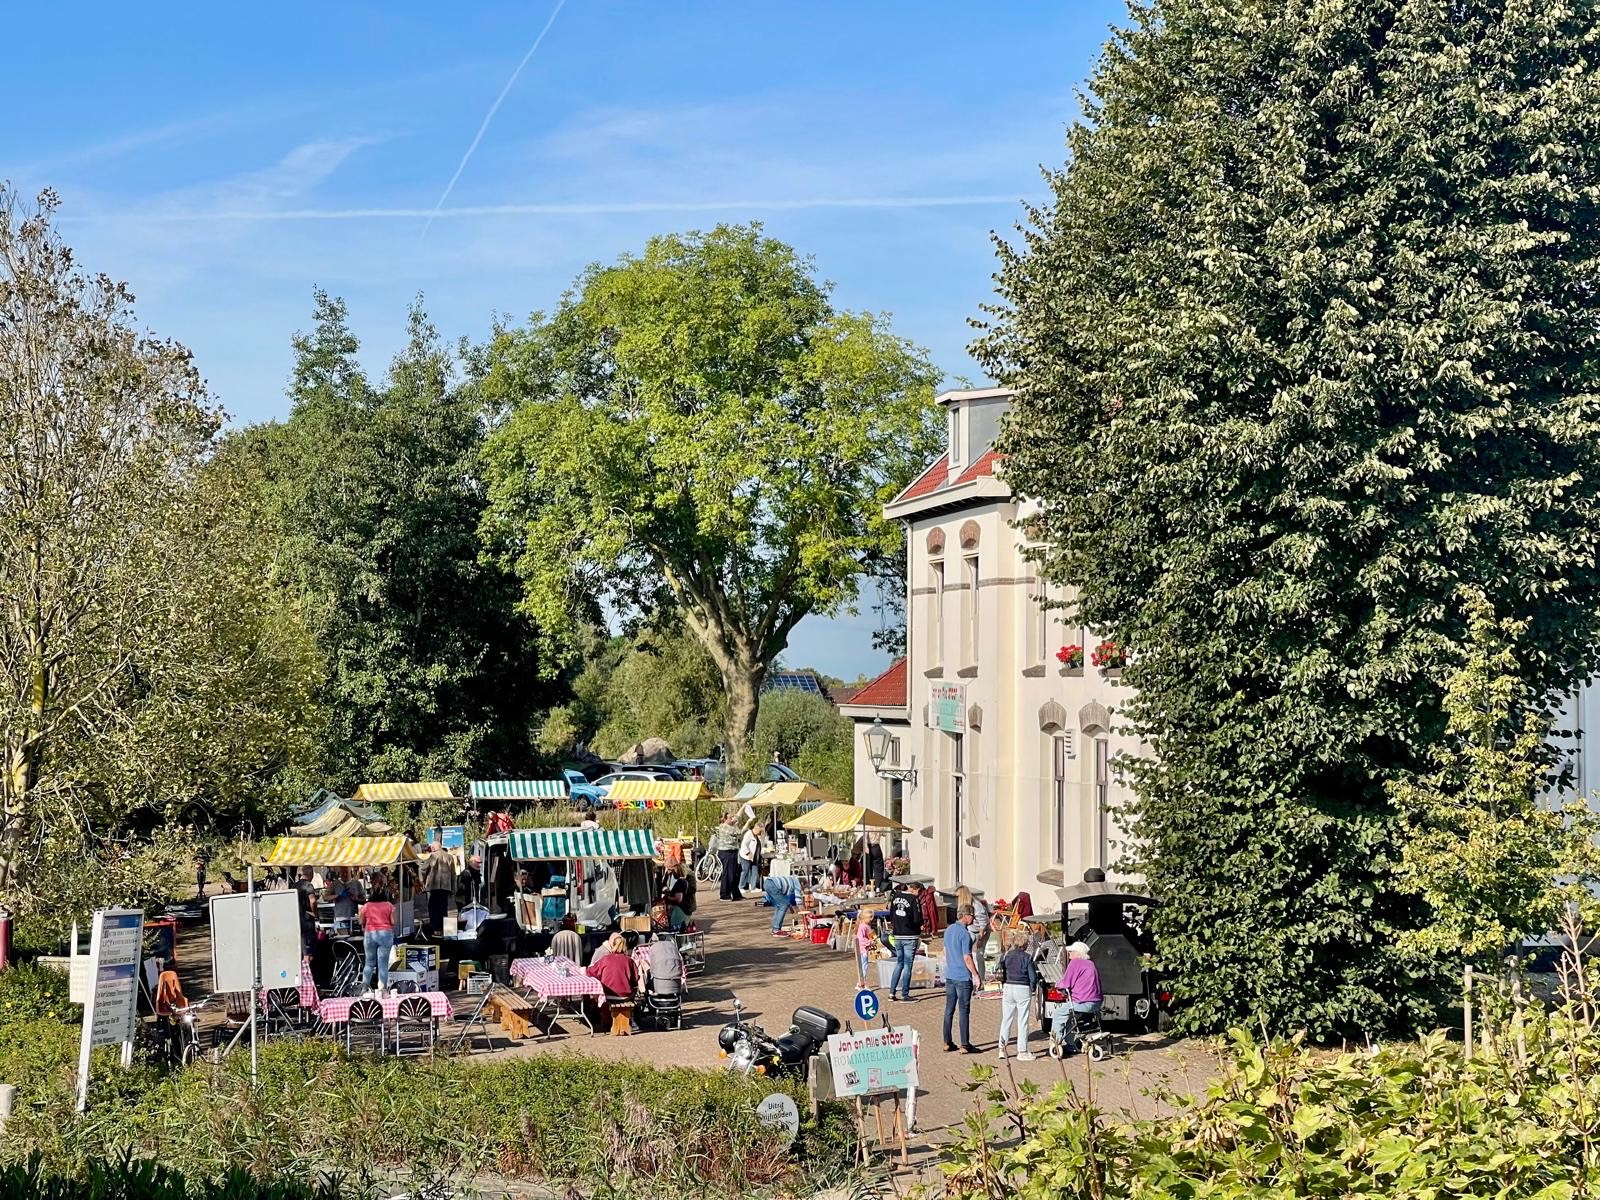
[698, 430]
[1304, 343]
[430, 669]
[147, 671]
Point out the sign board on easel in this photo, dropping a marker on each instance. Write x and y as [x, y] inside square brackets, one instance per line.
[875, 1065]
[110, 1008]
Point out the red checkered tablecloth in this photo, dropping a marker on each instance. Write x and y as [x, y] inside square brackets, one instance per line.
[337, 1010]
[545, 976]
[308, 988]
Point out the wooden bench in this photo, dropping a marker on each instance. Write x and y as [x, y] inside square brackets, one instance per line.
[621, 1018]
[514, 1014]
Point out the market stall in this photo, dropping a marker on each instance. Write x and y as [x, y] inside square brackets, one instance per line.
[603, 869]
[835, 819]
[406, 793]
[491, 793]
[389, 852]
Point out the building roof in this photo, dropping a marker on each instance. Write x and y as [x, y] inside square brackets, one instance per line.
[886, 691]
[795, 681]
[937, 477]
[983, 466]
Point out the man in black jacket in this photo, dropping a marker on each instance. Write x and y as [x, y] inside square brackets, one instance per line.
[905, 922]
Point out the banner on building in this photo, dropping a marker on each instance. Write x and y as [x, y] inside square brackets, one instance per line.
[947, 707]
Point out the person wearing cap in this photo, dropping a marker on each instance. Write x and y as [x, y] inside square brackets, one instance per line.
[960, 973]
[905, 923]
[1081, 983]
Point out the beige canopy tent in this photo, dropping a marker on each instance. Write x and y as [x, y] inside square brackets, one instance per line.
[841, 818]
[341, 851]
[373, 793]
[786, 795]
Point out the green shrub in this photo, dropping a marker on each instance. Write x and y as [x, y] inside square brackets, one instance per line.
[622, 1128]
[1413, 1121]
[138, 1179]
[31, 993]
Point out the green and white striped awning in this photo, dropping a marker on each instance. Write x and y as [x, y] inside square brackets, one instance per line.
[552, 845]
[518, 789]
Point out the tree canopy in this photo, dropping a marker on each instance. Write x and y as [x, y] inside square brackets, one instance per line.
[151, 675]
[697, 430]
[1305, 343]
[431, 672]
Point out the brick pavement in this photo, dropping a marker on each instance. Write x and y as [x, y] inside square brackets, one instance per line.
[772, 976]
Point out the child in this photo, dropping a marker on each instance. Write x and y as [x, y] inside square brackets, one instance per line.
[866, 939]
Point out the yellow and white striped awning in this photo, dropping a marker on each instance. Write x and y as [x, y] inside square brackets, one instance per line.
[841, 818]
[372, 793]
[784, 795]
[670, 790]
[341, 851]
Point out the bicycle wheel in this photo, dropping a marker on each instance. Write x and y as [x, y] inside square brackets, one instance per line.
[191, 1051]
[707, 868]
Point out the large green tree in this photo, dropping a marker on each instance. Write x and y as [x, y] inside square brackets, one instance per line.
[1305, 341]
[698, 430]
[148, 673]
[431, 672]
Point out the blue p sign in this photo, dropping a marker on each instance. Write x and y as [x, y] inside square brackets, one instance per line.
[866, 1004]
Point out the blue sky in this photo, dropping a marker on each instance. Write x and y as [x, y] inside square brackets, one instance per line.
[226, 159]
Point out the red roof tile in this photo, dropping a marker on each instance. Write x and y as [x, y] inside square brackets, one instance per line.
[929, 481]
[983, 466]
[886, 691]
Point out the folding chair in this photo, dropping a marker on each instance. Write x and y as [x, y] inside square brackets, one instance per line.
[285, 1015]
[415, 1029]
[478, 1020]
[364, 1028]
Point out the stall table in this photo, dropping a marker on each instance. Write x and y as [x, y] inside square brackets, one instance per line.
[550, 981]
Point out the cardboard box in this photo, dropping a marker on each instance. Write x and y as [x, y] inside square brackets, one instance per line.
[639, 924]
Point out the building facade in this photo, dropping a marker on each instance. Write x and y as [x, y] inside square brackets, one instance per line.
[1016, 785]
[1014, 753]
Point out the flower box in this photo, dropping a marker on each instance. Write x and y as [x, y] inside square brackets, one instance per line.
[1109, 656]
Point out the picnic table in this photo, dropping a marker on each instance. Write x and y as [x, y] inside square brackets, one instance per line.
[555, 985]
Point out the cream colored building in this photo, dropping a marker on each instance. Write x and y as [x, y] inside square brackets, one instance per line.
[1015, 784]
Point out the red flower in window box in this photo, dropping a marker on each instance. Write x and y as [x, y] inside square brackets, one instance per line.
[1109, 655]
[1070, 656]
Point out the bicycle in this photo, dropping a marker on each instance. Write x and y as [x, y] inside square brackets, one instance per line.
[709, 868]
[177, 1034]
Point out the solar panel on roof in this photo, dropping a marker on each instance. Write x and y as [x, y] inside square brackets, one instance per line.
[798, 681]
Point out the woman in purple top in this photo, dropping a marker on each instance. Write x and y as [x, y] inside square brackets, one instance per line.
[1081, 983]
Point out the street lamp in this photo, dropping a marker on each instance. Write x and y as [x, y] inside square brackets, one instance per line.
[877, 739]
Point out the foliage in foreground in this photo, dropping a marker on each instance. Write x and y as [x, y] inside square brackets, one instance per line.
[615, 1128]
[140, 1179]
[1304, 344]
[1412, 1122]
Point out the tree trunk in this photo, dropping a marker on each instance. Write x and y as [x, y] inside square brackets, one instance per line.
[741, 682]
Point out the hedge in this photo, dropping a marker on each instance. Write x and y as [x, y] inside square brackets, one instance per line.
[620, 1129]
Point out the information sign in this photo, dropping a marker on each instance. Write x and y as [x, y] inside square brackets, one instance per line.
[112, 1004]
[867, 1004]
[878, 1060]
[947, 707]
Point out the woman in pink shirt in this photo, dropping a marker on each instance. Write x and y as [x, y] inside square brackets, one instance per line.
[1081, 982]
[866, 938]
[377, 939]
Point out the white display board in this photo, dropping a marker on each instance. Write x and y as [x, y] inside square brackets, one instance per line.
[111, 1007]
[279, 938]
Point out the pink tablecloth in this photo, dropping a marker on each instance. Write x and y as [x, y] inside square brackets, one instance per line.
[544, 976]
[337, 1009]
[308, 988]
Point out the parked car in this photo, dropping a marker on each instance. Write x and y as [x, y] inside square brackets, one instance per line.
[648, 770]
[715, 772]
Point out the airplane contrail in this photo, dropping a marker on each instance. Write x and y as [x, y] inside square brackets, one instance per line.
[578, 208]
[489, 116]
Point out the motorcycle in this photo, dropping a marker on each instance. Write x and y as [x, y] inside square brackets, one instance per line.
[750, 1049]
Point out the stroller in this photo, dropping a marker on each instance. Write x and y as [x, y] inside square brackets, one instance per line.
[1054, 1008]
